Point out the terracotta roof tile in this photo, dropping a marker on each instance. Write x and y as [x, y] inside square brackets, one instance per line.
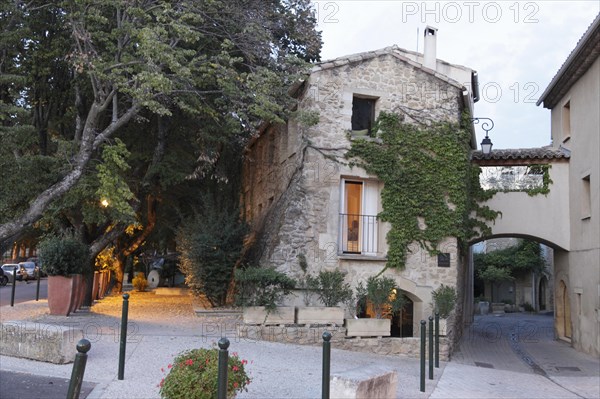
[524, 154]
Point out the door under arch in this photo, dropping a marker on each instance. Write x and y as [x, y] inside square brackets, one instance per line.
[563, 312]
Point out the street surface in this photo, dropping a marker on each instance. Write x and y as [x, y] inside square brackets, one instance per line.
[23, 292]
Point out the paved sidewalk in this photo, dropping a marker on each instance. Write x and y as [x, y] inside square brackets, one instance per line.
[487, 365]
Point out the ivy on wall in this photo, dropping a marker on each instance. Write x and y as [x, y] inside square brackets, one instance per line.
[431, 190]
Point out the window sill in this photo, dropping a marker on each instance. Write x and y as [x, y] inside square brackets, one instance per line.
[362, 257]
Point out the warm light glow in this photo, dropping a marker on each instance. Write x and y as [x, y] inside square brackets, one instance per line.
[104, 203]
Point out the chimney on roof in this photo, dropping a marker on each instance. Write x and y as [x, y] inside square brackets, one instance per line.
[429, 53]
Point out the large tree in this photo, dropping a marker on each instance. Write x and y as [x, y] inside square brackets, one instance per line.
[75, 75]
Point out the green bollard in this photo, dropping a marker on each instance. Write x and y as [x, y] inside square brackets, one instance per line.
[423, 355]
[83, 346]
[123, 337]
[222, 375]
[14, 284]
[431, 347]
[326, 364]
[37, 289]
[437, 340]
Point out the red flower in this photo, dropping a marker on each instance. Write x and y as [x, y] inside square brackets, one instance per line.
[235, 368]
[162, 382]
[235, 384]
[162, 369]
[170, 365]
[189, 362]
[244, 361]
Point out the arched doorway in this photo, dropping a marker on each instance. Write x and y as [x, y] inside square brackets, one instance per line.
[563, 312]
[542, 293]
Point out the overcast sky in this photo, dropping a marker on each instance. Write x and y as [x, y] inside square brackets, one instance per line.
[516, 47]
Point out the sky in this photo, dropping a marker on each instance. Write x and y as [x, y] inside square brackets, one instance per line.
[515, 46]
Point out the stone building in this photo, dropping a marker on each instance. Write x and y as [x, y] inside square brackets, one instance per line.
[300, 200]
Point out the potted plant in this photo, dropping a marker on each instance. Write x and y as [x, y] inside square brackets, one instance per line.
[193, 375]
[63, 259]
[380, 298]
[260, 291]
[444, 300]
[330, 288]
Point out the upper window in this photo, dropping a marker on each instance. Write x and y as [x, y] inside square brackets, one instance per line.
[363, 114]
[586, 198]
[566, 121]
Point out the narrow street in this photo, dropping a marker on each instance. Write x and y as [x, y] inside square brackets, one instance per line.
[23, 291]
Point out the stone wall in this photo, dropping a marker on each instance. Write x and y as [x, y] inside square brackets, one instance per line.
[313, 335]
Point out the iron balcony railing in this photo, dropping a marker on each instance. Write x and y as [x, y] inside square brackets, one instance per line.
[358, 234]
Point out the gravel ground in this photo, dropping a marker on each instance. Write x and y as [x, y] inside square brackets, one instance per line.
[160, 326]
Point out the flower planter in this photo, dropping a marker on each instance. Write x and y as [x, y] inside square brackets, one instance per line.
[319, 315]
[76, 292]
[498, 308]
[60, 295]
[260, 315]
[443, 327]
[368, 327]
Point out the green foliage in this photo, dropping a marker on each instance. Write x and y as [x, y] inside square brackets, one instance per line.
[504, 264]
[381, 292]
[330, 287]
[427, 177]
[193, 375]
[262, 287]
[139, 282]
[62, 255]
[444, 300]
[210, 244]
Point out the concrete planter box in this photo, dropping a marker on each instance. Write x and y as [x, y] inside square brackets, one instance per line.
[368, 327]
[319, 315]
[498, 308]
[443, 327]
[260, 315]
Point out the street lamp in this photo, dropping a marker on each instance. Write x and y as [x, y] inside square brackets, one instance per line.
[104, 203]
[486, 143]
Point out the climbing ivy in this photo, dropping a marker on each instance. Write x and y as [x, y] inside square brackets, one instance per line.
[431, 190]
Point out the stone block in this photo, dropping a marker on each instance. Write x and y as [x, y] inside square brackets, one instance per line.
[372, 382]
[44, 342]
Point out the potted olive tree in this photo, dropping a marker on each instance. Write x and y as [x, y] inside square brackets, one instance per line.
[380, 297]
[444, 301]
[331, 289]
[63, 259]
[260, 291]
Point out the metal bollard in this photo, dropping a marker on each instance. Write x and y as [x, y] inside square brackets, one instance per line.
[423, 355]
[222, 375]
[431, 347]
[437, 340]
[123, 337]
[37, 289]
[14, 284]
[326, 364]
[83, 346]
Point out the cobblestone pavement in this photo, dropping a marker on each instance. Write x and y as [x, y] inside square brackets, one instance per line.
[514, 356]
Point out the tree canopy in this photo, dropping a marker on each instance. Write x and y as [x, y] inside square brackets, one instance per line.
[127, 98]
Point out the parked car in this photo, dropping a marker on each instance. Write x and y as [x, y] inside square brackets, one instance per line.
[38, 264]
[28, 270]
[8, 269]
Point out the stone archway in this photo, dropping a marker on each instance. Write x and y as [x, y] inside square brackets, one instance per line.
[563, 312]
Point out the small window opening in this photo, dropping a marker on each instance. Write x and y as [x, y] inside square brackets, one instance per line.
[363, 114]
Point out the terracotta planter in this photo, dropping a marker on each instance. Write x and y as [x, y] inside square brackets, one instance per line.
[368, 327]
[77, 279]
[95, 285]
[319, 315]
[260, 315]
[60, 295]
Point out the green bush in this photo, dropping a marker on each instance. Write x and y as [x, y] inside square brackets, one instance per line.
[210, 245]
[330, 287]
[62, 256]
[444, 300]
[139, 282]
[193, 375]
[381, 292]
[262, 287]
